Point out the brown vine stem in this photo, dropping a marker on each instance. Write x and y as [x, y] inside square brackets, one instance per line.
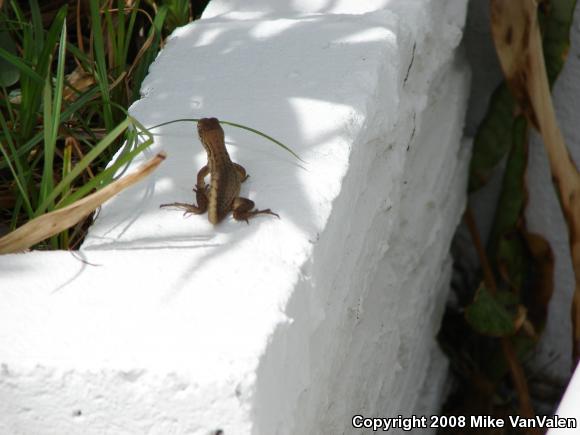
[517, 372]
[517, 39]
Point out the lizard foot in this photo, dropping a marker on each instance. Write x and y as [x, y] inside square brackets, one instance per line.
[189, 208]
[244, 215]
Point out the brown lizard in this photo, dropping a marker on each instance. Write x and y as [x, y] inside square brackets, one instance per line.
[222, 194]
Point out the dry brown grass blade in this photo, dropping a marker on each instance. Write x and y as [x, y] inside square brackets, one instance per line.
[518, 43]
[47, 225]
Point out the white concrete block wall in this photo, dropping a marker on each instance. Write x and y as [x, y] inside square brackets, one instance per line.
[163, 324]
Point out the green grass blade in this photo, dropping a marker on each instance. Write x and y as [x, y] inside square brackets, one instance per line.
[52, 106]
[51, 40]
[111, 30]
[173, 122]
[264, 135]
[101, 63]
[81, 56]
[69, 111]
[37, 24]
[141, 70]
[82, 165]
[66, 167]
[20, 18]
[5, 101]
[117, 36]
[178, 13]
[17, 173]
[130, 27]
[46, 183]
[59, 84]
[233, 124]
[32, 92]
[105, 176]
[9, 74]
[21, 66]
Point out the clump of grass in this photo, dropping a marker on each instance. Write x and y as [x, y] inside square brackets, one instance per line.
[67, 76]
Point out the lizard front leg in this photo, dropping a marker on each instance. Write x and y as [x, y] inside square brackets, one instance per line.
[201, 192]
[243, 209]
[241, 172]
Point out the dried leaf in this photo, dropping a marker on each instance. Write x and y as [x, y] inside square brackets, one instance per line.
[542, 278]
[77, 82]
[49, 224]
[556, 17]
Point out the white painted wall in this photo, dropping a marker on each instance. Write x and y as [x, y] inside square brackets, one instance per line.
[167, 325]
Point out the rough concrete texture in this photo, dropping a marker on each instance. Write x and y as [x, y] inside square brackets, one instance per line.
[167, 325]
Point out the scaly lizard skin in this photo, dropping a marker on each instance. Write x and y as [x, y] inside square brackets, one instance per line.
[221, 196]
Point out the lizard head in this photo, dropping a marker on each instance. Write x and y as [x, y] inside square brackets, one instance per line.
[207, 124]
[210, 131]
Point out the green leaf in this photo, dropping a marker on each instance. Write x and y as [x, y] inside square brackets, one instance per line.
[9, 73]
[513, 193]
[556, 18]
[493, 138]
[506, 247]
[488, 315]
